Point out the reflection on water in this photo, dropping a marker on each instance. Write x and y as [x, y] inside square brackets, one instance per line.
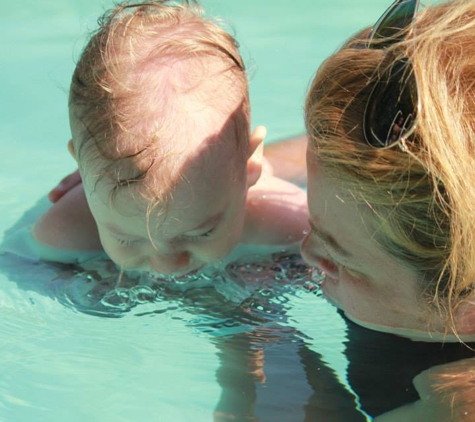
[257, 290]
[258, 350]
[227, 334]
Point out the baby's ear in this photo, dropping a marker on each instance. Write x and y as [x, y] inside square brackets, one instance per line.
[256, 154]
[71, 149]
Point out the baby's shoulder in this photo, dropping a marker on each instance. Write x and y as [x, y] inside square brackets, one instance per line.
[276, 213]
[22, 241]
[68, 224]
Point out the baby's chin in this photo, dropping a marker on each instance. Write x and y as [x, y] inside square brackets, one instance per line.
[180, 276]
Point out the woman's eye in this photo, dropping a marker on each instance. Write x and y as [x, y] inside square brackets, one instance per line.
[342, 267]
[354, 274]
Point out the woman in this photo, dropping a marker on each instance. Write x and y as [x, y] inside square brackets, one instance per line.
[391, 168]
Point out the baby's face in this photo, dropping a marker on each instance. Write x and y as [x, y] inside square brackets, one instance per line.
[200, 224]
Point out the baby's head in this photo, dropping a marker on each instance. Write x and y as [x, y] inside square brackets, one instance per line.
[159, 113]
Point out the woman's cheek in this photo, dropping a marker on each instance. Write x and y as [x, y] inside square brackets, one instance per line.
[316, 256]
[356, 280]
[354, 294]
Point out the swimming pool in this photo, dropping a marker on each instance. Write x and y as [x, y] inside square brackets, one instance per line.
[183, 356]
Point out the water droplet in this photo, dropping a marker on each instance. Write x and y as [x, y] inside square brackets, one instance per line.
[317, 276]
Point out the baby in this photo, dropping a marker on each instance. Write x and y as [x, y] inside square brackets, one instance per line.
[172, 178]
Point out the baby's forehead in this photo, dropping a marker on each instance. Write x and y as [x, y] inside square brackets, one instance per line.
[160, 163]
[191, 202]
[183, 178]
[200, 170]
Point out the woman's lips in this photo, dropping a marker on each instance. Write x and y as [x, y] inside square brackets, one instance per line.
[317, 276]
[325, 283]
[329, 268]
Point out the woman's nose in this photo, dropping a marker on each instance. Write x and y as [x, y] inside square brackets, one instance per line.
[317, 257]
[170, 263]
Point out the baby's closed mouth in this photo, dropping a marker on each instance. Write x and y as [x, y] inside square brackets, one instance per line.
[180, 278]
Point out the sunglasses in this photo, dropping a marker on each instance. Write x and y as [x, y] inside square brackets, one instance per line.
[391, 112]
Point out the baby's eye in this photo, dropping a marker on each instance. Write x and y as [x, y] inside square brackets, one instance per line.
[200, 236]
[125, 242]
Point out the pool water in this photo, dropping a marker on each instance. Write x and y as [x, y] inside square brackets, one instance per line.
[71, 352]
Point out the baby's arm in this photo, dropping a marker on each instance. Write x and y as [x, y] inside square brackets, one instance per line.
[276, 213]
[64, 186]
[286, 159]
[69, 224]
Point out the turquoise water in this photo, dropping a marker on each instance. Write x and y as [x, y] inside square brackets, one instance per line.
[183, 355]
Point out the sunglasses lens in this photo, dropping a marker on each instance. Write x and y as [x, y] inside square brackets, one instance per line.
[394, 20]
[391, 109]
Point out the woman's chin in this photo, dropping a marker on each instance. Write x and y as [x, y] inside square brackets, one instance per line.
[327, 287]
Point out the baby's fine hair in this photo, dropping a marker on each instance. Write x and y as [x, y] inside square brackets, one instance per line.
[423, 201]
[130, 83]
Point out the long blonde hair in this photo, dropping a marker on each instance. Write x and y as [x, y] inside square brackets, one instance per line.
[424, 199]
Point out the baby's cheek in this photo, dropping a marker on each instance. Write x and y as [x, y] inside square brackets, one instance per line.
[213, 251]
[122, 257]
[113, 254]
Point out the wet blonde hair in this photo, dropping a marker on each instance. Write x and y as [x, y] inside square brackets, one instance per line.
[423, 200]
[128, 83]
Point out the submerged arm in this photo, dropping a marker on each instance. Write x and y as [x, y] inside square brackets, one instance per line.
[287, 159]
[447, 394]
[276, 213]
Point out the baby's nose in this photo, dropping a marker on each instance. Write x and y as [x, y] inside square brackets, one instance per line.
[170, 263]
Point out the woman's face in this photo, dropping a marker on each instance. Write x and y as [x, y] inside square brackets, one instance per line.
[371, 287]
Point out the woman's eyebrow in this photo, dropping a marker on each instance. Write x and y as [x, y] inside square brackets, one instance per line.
[329, 240]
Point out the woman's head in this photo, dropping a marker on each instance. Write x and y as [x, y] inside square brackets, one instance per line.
[417, 204]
